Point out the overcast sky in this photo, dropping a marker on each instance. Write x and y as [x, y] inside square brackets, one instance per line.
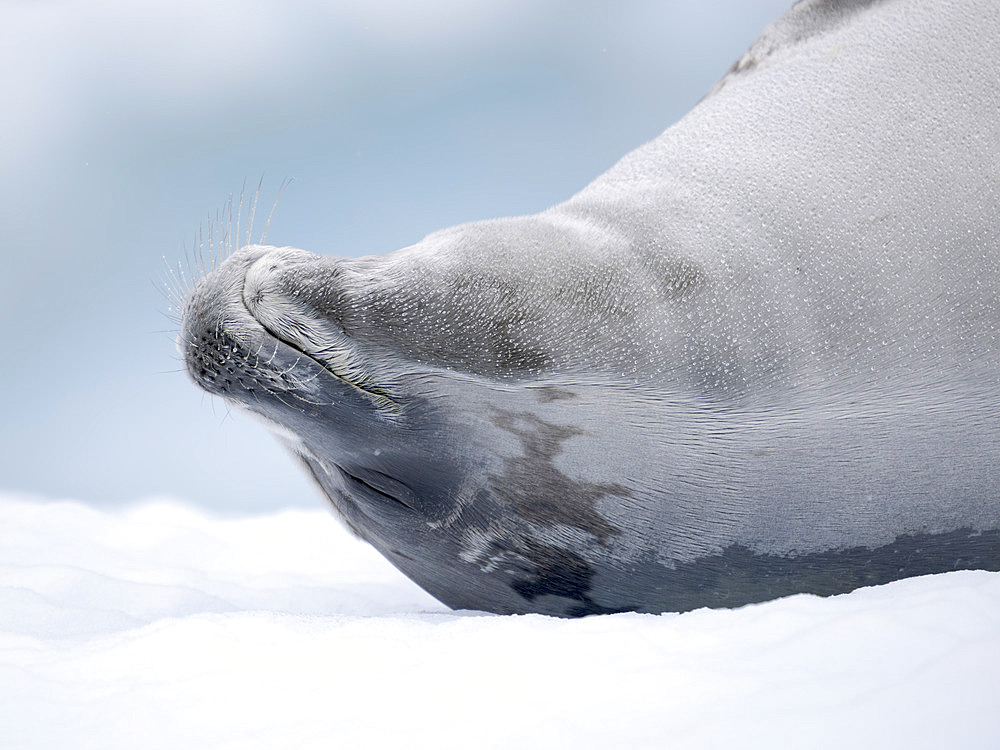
[125, 126]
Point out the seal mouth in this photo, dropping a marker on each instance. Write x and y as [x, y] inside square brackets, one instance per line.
[359, 381]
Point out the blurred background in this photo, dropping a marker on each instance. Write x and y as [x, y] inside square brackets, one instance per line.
[125, 126]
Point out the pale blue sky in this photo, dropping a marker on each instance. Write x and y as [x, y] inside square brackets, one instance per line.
[127, 125]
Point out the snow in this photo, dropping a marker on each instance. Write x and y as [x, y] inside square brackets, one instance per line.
[162, 626]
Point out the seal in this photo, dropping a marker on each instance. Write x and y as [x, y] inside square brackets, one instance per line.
[759, 356]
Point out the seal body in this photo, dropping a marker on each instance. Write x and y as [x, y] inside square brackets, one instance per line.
[759, 356]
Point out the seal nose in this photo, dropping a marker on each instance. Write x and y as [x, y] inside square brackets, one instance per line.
[274, 294]
[297, 297]
[216, 330]
[269, 274]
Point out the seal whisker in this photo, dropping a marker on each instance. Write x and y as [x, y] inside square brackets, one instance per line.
[239, 215]
[291, 367]
[200, 257]
[256, 355]
[267, 223]
[273, 355]
[310, 379]
[281, 397]
[253, 211]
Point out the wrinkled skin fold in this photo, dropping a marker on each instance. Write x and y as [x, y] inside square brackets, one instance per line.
[759, 356]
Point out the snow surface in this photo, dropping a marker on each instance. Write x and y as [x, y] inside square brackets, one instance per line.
[163, 627]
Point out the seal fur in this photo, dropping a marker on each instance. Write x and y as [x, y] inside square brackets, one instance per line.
[759, 356]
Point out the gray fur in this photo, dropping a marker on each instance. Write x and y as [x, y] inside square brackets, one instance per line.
[760, 355]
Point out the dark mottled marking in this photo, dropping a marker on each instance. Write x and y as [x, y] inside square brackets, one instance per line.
[558, 572]
[739, 576]
[534, 487]
[549, 393]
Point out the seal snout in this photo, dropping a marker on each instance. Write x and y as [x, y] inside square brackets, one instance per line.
[275, 294]
[296, 297]
[266, 326]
